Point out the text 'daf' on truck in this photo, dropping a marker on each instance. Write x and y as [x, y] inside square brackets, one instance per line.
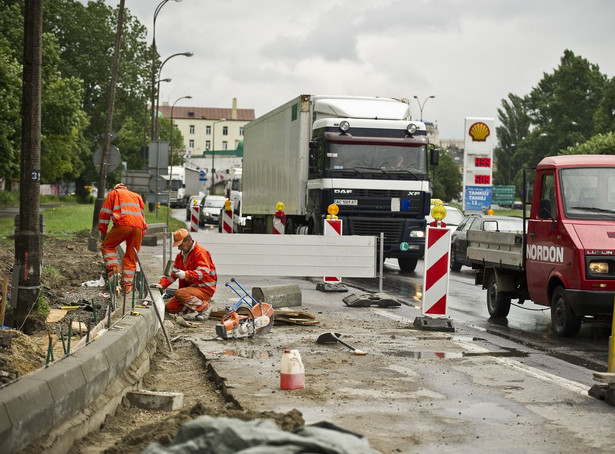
[363, 153]
[565, 257]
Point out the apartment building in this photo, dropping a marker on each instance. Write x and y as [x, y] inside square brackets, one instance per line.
[209, 130]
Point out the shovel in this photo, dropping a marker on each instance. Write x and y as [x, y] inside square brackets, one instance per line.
[331, 338]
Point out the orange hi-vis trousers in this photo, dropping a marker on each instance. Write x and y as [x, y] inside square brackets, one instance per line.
[187, 300]
[118, 234]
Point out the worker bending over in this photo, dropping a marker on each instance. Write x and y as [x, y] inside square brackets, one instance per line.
[127, 211]
[197, 278]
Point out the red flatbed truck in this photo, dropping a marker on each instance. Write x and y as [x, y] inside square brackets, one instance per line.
[565, 257]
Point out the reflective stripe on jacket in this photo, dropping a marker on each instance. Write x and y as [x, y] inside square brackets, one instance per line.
[124, 207]
[200, 270]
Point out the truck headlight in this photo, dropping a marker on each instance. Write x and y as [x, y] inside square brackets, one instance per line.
[417, 234]
[598, 267]
[344, 125]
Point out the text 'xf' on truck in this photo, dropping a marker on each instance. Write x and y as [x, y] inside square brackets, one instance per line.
[363, 153]
[565, 257]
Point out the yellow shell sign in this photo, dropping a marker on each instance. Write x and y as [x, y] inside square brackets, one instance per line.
[479, 131]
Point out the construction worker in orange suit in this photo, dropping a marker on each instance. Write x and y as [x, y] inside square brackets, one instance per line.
[197, 276]
[127, 211]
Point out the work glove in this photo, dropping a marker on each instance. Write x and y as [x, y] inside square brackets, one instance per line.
[158, 286]
[181, 274]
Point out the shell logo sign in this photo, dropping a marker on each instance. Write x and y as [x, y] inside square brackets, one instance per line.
[479, 132]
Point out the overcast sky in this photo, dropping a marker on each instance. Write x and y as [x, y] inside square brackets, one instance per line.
[468, 53]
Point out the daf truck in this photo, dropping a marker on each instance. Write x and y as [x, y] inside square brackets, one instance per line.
[364, 154]
[565, 257]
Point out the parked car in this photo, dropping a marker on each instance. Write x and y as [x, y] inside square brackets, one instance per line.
[211, 205]
[459, 237]
[194, 200]
[453, 218]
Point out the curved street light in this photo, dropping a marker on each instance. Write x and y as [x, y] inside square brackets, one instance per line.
[213, 151]
[155, 128]
[423, 104]
[153, 93]
[171, 158]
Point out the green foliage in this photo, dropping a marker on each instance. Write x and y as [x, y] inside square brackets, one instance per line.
[42, 306]
[10, 100]
[9, 198]
[515, 125]
[447, 184]
[598, 144]
[562, 107]
[604, 118]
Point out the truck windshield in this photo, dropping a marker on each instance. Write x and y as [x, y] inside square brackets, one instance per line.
[388, 158]
[588, 192]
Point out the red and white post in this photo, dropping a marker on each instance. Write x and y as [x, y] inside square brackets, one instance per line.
[436, 275]
[227, 218]
[332, 226]
[279, 220]
[194, 217]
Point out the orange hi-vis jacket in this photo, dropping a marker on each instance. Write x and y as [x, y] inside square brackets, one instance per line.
[124, 207]
[200, 270]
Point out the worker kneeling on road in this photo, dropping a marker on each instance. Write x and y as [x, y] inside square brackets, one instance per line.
[197, 278]
[127, 212]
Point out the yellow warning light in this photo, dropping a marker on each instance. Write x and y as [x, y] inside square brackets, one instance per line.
[438, 212]
[490, 212]
[333, 209]
[279, 206]
[227, 205]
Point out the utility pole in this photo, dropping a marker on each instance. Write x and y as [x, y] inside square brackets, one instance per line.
[104, 165]
[28, 235]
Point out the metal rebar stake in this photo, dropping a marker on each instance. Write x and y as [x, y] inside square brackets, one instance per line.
[160, 319]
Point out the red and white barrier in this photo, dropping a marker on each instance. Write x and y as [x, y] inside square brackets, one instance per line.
[332, 227]
[279, 223]
[436, 275]
[194, 218]
[227, 221]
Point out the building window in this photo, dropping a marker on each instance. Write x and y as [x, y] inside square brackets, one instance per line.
[224, 145]
[241, 130]
[208, 130]
[191, 129]
[225, 130]
[191, 143]
[208, 144]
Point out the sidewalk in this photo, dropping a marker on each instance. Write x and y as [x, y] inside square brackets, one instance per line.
[414, 391]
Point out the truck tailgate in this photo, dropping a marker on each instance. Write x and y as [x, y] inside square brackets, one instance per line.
[503, 249]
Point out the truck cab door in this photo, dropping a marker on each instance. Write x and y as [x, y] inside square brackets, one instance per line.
[543, 239]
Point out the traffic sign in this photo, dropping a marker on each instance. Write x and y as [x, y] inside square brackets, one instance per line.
[404, 246]
[503, 195]
[113, 160]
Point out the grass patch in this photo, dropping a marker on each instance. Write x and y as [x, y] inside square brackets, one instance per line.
[76, 220]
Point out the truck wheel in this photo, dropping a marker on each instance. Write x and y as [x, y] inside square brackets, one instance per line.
[455, 265]
[498, 304]
[407, 264]
[564, 322]
[289, 228]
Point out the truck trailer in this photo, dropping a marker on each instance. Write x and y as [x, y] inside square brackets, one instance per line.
[365, 154]
[565, 257]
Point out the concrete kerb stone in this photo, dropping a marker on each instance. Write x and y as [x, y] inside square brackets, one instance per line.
[285, 295]
[37, 405]
[156, 400]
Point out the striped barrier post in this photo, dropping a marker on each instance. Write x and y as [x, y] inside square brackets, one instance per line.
[332, 226]
[436, 274]
[279, 220]
[194, 217]
[227, 218]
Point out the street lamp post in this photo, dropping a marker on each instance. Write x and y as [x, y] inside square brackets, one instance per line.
[154, 53]
[171, 158]
[155, 119]
[213, 152]
[421, 105]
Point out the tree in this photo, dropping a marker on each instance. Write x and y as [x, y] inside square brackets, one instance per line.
[447, 179]
[515, 126]
[86, 35]
[562, 107]
[598, 144]
[604, 118]
[10, 92]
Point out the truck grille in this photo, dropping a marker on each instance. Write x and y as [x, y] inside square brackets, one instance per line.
[393, 228]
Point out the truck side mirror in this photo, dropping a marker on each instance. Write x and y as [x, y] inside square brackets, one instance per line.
[434, 156]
